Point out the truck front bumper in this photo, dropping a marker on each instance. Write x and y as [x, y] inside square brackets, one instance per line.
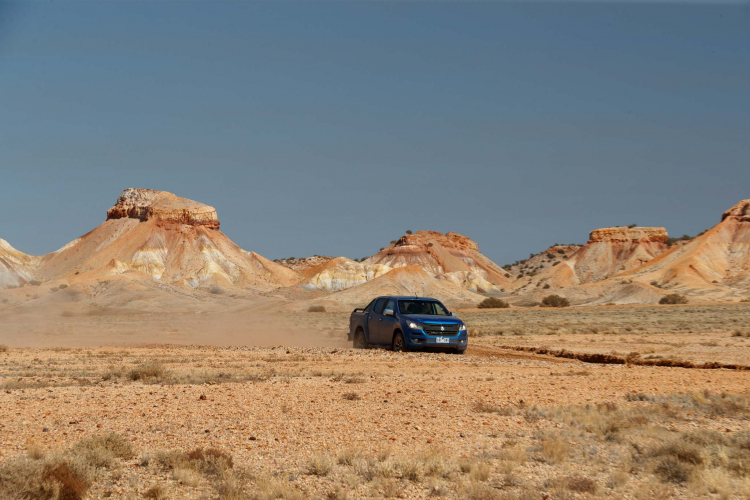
[421, 341]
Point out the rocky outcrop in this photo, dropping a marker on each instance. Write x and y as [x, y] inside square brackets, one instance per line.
[740, 212]
[149, 204]
[627, 234]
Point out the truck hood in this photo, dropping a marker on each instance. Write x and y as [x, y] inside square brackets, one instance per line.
[427, 318]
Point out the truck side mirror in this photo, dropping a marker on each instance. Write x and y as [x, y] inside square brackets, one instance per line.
[388, 312]
[453, 314]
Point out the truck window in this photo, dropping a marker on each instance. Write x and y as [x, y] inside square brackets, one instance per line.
[379, 306]
[428, 307]
[369, 306]
[391, 304]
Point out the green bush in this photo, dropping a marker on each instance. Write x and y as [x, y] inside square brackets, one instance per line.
[493, 303]
[555, 301]
[673, 298]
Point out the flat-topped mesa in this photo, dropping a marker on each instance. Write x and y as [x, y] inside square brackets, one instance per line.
[149, 204]
[625, 234]
[741, 212]
[447, 240]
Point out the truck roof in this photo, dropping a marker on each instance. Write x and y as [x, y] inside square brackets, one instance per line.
[406, 297]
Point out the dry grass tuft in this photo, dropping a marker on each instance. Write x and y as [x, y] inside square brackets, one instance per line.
[320, 464]
[148, 372]
[155, 492]
[554, 448]
[4, 348]
[186, 477]
[349, 456]
[316, 309]
[479, 471]
[479, 491]
[35, 451]
[482, 406]
[208, 461]
[103, 450]
[352, 396]
[577, 484]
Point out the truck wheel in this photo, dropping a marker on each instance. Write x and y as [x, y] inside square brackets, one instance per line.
[359, 340]
[459, 351]
[399, 344]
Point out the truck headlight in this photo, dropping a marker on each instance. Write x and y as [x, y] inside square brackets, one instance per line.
[415, 326]
[462, 328]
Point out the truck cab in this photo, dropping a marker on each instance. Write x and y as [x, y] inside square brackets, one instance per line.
[407, 323]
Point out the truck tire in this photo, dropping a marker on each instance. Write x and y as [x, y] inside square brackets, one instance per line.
[359, 339]
[399, 344]
[459, 351]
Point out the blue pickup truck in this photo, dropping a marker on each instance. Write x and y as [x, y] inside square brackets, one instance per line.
[406, 323]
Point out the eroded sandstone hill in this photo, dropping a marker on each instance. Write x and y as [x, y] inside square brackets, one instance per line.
[449, 257]
[609, 252]
[171, 239]
[712, 266]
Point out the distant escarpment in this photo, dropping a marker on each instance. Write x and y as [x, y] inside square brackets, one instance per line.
[628, 234]
[149, 204]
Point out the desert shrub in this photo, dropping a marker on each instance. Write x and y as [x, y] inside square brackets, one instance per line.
[216, 290]
[555, 301]
[493, 303]
[550, 256]
[546, 286]
[408, 231]
[671, 470]
[30, 479]
[352, 396]
[3, 348]
[316, 309]
[102, 450]
[673, 298]
[71, 484]
[149, 370]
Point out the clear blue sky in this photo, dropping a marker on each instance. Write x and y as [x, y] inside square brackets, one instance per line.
[331, 128]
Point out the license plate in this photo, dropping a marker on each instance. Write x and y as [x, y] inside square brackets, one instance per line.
[442, 340]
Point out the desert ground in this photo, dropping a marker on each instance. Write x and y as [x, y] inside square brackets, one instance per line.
[212, 405]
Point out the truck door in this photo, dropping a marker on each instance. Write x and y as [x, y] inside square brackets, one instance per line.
[388, 324]
[374, 319]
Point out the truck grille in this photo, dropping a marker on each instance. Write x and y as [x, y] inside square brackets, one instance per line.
[448, 331]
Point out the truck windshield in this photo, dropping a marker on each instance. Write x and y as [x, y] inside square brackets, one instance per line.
[428, 307]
